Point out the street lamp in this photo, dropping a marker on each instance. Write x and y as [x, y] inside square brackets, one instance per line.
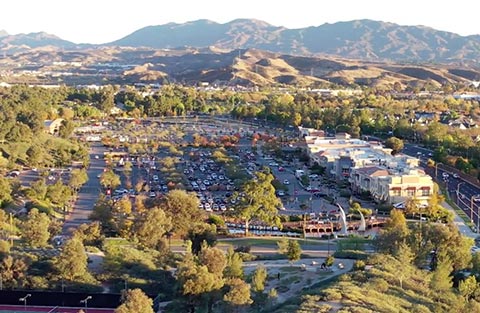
[458, 190]
[24, 300]
[471, 209]
[86, 302]
[436, 168]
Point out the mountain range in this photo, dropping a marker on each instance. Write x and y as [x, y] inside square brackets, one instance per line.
[358, 39]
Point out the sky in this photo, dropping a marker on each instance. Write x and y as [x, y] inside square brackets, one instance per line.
[102, 21]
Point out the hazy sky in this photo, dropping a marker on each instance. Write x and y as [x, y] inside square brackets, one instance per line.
[100, 21]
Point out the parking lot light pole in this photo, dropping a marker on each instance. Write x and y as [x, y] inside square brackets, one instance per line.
[86, 302]
[24, 300]
[458, 190]
[436, 168]
[471, 208]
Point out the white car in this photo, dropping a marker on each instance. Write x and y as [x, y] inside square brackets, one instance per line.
[286, 182]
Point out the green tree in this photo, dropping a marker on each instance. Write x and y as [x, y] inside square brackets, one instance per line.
[35, 229]
[5, 191]
[259, 201]
[468, 287]
[39, 188]
[238, 293]
[135, 301]
[214, 259]
[150, 230]
[13, 271]
[72, 261]
[393, 234]
[182, 208]
[196, 281]
[202, 234]
[66, 129]
[294, 251]
[109, 179]
[234, 266]
[58, 193]
[441, 280]
[35, 155]
[258, 279]
[394, 143]
[78, 177]
[89, 234]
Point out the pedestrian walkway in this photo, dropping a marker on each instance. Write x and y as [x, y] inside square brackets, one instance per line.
[460, 223]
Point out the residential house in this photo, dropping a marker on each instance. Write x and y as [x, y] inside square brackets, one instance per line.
[52, 126]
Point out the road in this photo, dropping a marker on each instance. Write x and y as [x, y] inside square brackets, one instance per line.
[88, 194]
[459, 190]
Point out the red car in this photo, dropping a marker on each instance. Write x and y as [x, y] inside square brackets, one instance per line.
[281, 169]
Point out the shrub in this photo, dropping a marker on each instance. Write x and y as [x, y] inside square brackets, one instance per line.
[331, 295]
[359, 265]
[246, 257]
[244, 249]
[216, 220]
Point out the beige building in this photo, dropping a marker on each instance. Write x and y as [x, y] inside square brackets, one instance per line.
[392, 185]
[369, 167]
[52, 126]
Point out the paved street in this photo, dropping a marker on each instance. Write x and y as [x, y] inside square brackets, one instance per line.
[462, 192]
[89, 192]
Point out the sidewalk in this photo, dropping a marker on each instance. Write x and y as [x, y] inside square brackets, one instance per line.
[457, 220]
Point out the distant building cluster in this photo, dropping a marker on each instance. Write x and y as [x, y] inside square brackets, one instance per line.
[368, 167]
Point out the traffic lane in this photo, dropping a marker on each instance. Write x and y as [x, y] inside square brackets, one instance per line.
[89, 192]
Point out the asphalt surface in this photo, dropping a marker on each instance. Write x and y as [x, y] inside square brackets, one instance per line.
[88, 194]
[459, 190]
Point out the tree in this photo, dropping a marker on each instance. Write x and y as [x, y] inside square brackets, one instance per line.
[72, 261]
[394, 143]
[258, 278]
[195, 280]
[259, 201]
[234, 266]
[394, 233]
[238, 293]
[5, 191]
[89, 234]
[66, 129]
[109, 179]
[78, 177]
[35, 155]
[202, 234]
[13, 271]
[441, 280]
[58, 193]
[294, 251]
[214, 259]
[135, 301]
[35, 229]
[182, 208]
[122, 213]
[405, 257]
[151, 229]
[39, 188]
[468, 287]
